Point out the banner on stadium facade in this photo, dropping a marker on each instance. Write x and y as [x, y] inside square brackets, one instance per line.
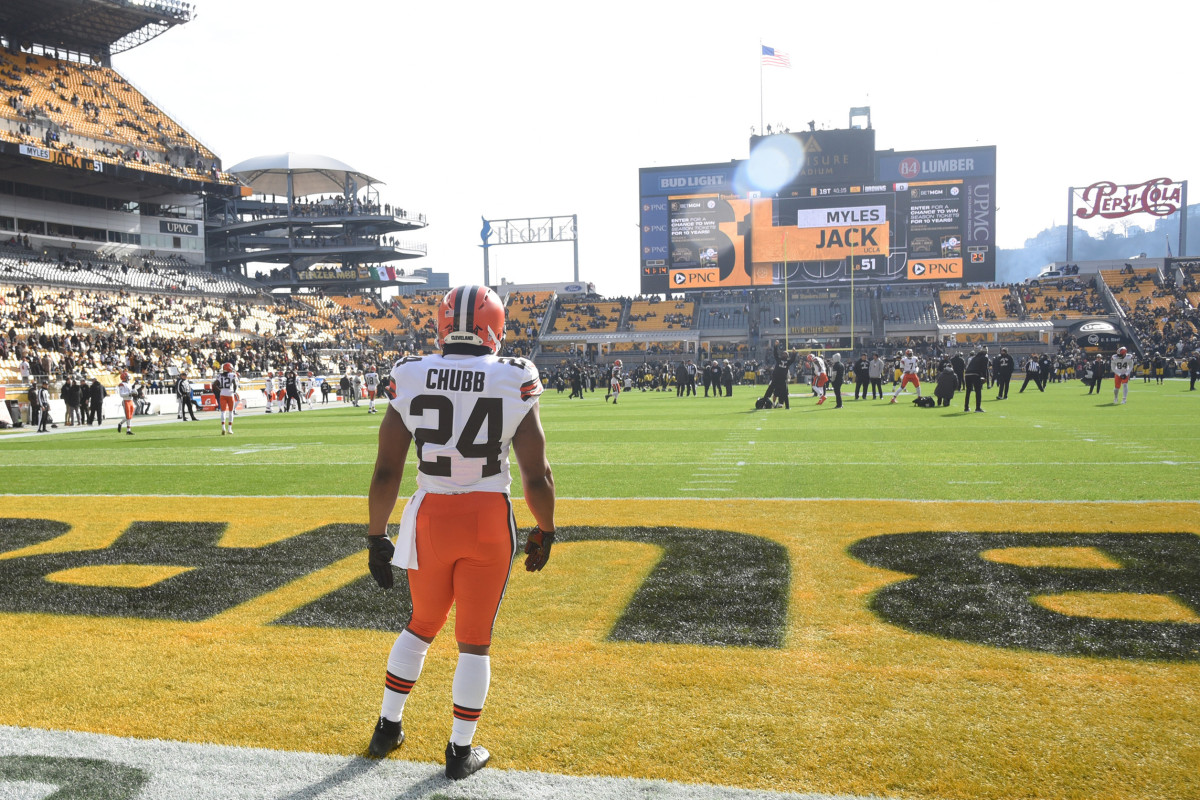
[179, 228]
[926, 165]
[61, 158]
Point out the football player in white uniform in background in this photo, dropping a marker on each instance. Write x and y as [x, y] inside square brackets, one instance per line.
[226, 387]
[614, 382]
[465, 408]
[820, 377]
[1122, 369]
[125, 392]
[910, 367]
[269, 390]
[371, 382]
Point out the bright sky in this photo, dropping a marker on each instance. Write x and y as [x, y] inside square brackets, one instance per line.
[524, 109]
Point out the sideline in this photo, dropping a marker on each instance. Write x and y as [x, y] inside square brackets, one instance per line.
[110, 422]
[182, 771]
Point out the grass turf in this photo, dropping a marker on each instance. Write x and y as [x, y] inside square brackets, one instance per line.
[865, 706]
[1060, 445]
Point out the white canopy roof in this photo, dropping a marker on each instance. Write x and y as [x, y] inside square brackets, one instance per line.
[311, 174]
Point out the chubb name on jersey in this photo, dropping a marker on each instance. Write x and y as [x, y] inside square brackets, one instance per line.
[454, 380]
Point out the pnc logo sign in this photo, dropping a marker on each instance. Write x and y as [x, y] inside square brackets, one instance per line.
[936, 269]
[695, 277]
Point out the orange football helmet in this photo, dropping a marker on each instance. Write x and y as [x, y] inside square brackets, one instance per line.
[227, 367]
[617, 362]
[124, 375]
[471, 315]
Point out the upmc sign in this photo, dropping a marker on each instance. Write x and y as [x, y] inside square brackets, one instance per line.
[1160, 197]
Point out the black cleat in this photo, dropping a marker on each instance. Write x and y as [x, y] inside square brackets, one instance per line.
[464, 760]
[387, 737]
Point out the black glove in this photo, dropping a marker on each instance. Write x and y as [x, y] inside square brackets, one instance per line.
[537, 549]
[379, 559]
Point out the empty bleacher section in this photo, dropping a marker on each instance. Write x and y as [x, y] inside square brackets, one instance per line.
[656, 315]
[599, 316]
[90, 111]
[718, 311]
[524, 315]
[150, 274]
[1067, 298]
[1137, 289]
[978, 304]
[817, 308]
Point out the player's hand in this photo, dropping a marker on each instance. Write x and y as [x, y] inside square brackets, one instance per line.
[379, 559]
[537, 549]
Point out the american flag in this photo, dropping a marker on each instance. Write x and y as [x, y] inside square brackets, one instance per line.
[774, 58]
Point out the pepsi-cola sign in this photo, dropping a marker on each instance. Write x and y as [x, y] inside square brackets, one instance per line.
[1160, 197]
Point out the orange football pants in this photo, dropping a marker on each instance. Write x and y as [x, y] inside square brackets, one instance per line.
[225, 403]
[465, 548]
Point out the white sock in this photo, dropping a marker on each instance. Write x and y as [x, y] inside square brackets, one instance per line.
[403, 668]
[471, 680]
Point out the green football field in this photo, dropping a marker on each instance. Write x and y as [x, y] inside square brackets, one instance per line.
[875, 601]
[1059, 445]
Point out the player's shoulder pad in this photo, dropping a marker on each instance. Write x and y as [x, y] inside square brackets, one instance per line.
[399, 363]
[530, 381]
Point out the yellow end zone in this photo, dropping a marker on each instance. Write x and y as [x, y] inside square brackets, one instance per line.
[849, 705]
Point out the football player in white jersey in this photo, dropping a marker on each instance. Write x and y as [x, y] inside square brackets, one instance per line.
[371, 382]
[465, 408]
[269, 390]
[614, 382]
[910, 367]
[820, 377]
[1122, 369]
[226, 387]
[125, 392]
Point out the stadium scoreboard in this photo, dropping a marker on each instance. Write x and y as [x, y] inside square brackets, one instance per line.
[844, 212]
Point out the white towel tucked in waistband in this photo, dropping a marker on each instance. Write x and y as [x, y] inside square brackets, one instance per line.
[406, 540]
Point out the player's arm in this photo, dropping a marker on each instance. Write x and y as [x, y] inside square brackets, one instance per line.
[529, 446]
[394, 440]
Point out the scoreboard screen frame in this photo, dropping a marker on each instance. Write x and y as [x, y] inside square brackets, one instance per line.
[703, 228]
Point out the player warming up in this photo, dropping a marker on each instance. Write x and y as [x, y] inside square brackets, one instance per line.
[125, 392]
[614, 382]
[226, 387]
[910, 367]
[465, 408]
[1122, 369]
[820, 377]
[371, 382]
